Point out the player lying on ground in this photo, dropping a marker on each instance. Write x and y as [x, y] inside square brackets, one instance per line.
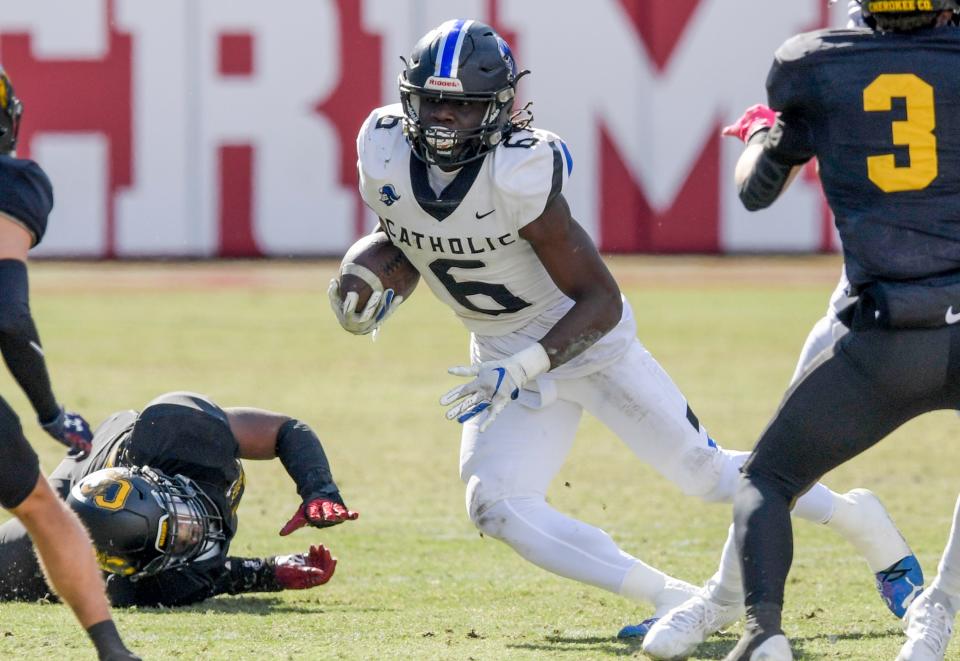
[159, 494]
[473, 197]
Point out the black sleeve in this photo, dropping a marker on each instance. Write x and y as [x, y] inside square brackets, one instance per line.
[302, 455]
[784, 147]
[248, 575]
[20, 343]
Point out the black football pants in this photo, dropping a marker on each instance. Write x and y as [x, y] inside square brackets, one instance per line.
[854, 394]
[19, 464]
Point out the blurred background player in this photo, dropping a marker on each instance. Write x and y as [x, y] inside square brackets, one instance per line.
[472, 195]
[891, 180]
[26, 198]
[159, 494]
[719, 604]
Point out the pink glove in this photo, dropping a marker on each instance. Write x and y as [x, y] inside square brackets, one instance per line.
[754, 119]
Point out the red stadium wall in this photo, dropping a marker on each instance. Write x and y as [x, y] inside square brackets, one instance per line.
[227, 127]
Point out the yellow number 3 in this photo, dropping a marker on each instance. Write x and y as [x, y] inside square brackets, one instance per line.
[916, 132]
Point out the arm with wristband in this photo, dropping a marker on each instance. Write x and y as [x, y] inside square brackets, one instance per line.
[264, 434]
[298, 571]
[574, 264]
[773, 155]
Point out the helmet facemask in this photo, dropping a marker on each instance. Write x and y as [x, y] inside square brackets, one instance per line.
[450, 147]
[190, 525]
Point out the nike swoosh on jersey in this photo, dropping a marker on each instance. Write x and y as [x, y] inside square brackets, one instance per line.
[951, 316]
[483, 215]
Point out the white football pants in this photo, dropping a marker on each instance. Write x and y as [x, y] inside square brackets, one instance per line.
[508, 468]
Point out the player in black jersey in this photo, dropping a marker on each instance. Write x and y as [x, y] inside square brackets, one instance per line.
[878, 108]
[26, 198]
[159, 493]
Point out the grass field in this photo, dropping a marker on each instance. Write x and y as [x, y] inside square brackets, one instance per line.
[415, 579]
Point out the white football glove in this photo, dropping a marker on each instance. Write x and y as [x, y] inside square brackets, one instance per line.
[380, 305]
[496, 384]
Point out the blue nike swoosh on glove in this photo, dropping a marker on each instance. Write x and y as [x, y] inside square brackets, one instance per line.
[502, 371]
[482, 406]
[479, 408]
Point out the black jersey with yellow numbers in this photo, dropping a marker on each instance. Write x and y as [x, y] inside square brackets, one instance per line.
[881, 113]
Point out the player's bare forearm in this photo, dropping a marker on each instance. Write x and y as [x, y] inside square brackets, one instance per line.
[583, 325]
[572, 261]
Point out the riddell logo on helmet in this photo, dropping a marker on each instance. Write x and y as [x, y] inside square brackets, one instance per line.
[448, 84]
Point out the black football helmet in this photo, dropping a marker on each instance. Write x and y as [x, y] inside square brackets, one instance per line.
[142, 522]
[464, 60]
[10, 111]
[904, 15]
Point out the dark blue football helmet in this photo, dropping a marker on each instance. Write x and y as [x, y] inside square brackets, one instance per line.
[462, 60]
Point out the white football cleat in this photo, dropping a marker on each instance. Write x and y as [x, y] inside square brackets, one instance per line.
[774, 648]
[928, 625]
[674, 593]
[678, 633]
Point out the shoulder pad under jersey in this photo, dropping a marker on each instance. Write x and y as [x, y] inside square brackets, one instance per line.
[378, 139]
[806, 44]
[530, 168]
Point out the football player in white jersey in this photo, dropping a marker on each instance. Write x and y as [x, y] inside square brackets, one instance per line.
[473, 196]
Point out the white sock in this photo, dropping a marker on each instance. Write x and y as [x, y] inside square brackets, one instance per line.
[869, 530]
[643, 583]
[816, 505]
[726, 585]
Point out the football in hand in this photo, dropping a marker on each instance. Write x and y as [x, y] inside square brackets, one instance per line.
[385, 261]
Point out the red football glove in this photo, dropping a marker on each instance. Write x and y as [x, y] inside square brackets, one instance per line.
[754, 119]
[319, 513]
[304, 570]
